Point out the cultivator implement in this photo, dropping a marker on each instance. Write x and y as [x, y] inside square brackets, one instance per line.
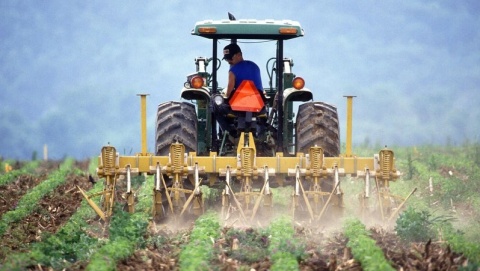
[246, 179]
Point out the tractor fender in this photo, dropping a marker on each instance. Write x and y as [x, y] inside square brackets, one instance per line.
[297, 95]
[196, 94]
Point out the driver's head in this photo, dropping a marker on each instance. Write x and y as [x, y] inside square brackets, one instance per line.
[230, 51]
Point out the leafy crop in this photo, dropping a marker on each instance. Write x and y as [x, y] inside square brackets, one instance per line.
[459, 243]
[364, 248]
[126, 232]
[420, 226]
[252, 244]
[199, 252]
[284, 250]
[415, 226]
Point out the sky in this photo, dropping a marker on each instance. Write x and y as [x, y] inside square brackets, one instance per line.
[70, 71]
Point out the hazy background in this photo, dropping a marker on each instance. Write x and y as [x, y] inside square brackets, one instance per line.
[70, 70]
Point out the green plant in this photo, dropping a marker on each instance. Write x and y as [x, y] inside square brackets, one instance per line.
[282, 196]
[197, 254]
[199, 251]
[126, 233]
[411, 170]
[364, 248]
[252, 244]
[210, 195]
[285, 251]
[459, 243]
[414, 226]
[419, 226]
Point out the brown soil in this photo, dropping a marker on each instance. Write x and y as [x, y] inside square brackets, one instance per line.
[321, 253]
[50, 213]
[12, 192]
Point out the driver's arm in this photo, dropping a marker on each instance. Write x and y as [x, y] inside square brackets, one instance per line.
[231, 84]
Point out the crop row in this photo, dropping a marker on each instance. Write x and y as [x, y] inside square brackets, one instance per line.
[458, 242]
[420, 226]
[285, 251]
[81, 240]
[364, 248]
[10, 176]
[126, 232]
[71, 243]
[28, 202]
[199, 251]
[281, 246]
[276, 242]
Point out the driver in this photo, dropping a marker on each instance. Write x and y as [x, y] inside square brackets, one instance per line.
[240, 69]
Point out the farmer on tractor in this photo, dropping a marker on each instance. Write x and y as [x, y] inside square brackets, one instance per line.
[242, 74]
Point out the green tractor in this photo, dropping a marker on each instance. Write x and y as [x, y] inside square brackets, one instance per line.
[193, 123]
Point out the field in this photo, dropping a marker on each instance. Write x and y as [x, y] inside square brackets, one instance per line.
[46, 225]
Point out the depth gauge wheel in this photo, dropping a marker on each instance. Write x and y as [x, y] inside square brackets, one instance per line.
[176, 122]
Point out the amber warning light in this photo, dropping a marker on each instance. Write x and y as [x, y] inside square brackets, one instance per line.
[298, 83]
[207, 30]
[288, 30]
[196, 82]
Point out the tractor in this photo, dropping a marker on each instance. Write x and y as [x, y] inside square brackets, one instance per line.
[299, 146]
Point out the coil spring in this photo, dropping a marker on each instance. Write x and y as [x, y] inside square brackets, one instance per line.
[316, 160]
[177, 157]
[247, 162]
[108, 160]
[386, 164]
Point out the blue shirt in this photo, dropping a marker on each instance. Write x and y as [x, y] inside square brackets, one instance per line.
[247, 70]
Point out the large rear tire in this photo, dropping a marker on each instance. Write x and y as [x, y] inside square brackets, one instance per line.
[317, 124]
[176, 122]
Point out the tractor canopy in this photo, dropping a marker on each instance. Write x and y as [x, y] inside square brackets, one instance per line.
[248, 29]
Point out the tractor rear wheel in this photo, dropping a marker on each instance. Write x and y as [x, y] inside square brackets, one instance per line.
[317, 124]
[176, 122]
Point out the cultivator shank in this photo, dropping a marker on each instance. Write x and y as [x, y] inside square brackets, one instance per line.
[247, 201]
[313, 175]
[384, 171]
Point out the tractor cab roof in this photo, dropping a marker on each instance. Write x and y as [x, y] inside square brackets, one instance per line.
[248, 29]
